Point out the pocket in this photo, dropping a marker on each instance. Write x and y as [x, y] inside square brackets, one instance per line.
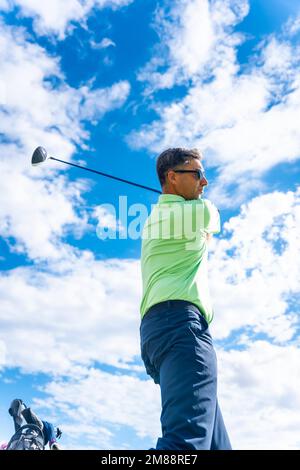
[150, 368]
[198, 326]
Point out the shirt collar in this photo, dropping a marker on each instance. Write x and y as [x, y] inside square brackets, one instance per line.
[163, 198]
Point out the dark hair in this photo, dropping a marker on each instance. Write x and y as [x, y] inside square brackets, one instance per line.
[173, 157]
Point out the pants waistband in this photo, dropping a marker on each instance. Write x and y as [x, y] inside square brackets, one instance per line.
[170, 304]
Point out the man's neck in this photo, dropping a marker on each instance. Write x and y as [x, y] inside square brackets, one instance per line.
[170, 191]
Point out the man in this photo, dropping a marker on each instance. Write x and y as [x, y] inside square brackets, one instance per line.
[176, 345]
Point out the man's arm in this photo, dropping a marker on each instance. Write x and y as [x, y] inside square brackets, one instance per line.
[211, 220]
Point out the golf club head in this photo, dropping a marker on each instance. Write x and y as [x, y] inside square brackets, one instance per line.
[39, 156]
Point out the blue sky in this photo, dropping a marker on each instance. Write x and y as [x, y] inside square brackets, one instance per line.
[110, 84]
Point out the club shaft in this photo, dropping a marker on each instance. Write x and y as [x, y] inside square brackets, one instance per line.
[106, 175]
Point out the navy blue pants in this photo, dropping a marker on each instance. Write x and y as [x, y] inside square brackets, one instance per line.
[178, 354]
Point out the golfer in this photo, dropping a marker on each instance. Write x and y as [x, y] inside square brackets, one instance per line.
[176, 310]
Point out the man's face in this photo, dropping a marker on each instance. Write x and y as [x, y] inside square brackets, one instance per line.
[187, 185]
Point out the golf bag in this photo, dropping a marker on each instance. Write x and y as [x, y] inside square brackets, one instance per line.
[28, 437]
[35, 433]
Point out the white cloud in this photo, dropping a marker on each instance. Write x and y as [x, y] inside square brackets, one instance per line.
[277, 58]
[33, 112]
[107, 220]
[95, 403]
[293, 25]
[98, 102]
[260, 396]
[37, 213]
[56, 17]
[254, 270]
[64, 324]
[88, 312]
[49, 114]
[114, 4]
[244, 119]
[103, 44]
[2, 354]
[192, 40]
[102, 402]
[4, 5]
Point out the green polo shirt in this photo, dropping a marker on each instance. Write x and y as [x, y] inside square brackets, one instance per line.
[174, 252]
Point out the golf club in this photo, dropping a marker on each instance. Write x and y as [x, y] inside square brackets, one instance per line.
[40, 156]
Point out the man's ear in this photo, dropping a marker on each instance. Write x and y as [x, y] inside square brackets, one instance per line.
[171, 176]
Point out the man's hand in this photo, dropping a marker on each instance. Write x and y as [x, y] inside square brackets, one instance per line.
[208, 237]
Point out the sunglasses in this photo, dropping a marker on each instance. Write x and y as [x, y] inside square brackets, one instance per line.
[199, 173]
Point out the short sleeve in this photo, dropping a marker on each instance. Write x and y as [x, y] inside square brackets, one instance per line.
[212, 223]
